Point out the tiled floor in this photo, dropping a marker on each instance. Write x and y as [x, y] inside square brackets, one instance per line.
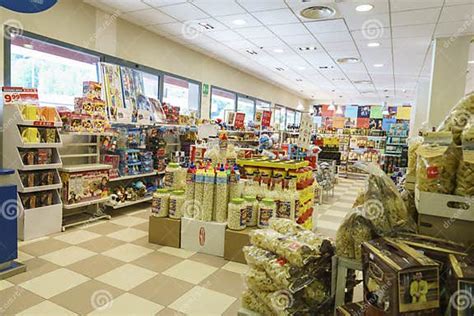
[109, 268]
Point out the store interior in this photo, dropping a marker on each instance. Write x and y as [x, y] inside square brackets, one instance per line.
[237, 157]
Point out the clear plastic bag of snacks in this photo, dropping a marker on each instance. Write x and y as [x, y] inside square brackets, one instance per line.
[413, 144]
[160, 203]
[252, 302]
[237, 217]
[252, 206]
[296, 253]
[220, 197]
[465, 172]
[298, 232]
[258, 279]
[381, 202]
[354, 230]
[437, 163]
[458, 118]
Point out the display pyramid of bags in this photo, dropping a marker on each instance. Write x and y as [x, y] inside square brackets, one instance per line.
[290, 271]
[445, 159]
[379, 210]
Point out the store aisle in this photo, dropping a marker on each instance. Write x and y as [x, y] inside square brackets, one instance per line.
[330, 215]
[110, 268]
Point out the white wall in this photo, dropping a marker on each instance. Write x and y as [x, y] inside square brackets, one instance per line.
[75, 22]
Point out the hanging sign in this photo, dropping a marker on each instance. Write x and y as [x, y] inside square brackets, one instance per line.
[28, 6]
[306, 128]
[239, 120]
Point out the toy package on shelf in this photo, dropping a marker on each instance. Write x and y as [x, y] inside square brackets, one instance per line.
[38, 199]
[84, 186]
[172, 113]
[40, 156]
[134, 191]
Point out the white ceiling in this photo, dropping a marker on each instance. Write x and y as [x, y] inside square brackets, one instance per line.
[275, 31]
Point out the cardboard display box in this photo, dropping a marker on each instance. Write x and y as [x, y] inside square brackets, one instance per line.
[445, 205]
[461, 284]
[398, 280]
[164, 231]
[352, 309]
[235, 240]
[204, 237]
[452, 228]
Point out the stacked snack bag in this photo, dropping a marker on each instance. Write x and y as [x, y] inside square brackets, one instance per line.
[290, 271]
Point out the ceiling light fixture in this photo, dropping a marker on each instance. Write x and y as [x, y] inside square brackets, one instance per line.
[29, 46]
[278, 50]
[373, 44]
[362, 82]
[307, 48]
[239, 22]
[471, 62]
[348, 60]
[205, 25]
[317, 12]
[338, 79]
[299, 80]
[378, 65]
[364, 7]
[251, 52]
[301, 68]
[279, 69]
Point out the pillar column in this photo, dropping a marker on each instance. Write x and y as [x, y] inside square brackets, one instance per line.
[420, 111]
[448, 76]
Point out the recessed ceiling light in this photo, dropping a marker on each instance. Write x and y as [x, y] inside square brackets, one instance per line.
[471, 62]
[317, 12]
[301, 68]
[348, 60]
[362, 82]
[239, 22]
[278, 50]
[307, 48]
[373, 44]
[299, 80]
[364, 7]
[378, 65]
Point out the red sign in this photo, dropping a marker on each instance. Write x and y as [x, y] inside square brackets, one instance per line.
[202, 236]
[266, 118]
[43, 123]
[432, 172]
[363, 123]
[239, 120]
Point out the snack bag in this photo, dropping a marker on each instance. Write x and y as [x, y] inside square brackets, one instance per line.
[437, 163]
[458, 118]
[413, 145]
[465, 172]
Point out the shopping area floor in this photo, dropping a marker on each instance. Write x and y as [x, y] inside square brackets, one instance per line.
[109, 268]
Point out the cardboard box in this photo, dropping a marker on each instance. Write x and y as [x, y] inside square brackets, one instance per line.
[445, 205]
[398, 280]
[448, 228]
[164, 231]
[461, 284]
[235, 240]
[204, 237]
[351, 309]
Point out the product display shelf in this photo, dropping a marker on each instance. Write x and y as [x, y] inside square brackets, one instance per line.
[140, 175]
[129, 203]
[82, 154]
[34, 220]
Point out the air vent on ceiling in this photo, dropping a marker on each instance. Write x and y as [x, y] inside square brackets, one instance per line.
[207, 26]
[348, 60]
[307, 48]
[338, 79]
[317, 12]
[299, 80]
[362, 82]
[251, 52]
[279, 69]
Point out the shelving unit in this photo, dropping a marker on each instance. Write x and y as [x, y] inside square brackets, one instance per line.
[34, 221]
[129, 203]
[82, 154]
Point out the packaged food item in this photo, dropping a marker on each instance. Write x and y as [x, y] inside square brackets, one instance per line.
[258, 279]
[413, 144]
[252, 302]
[235, 186]
[190, 189]
[465, 172]
[458, 118]
[177, 198]
[175, 176]
[266, 211]
[353, 231]
[160, 203]
[437, 163]
[237, 217]
[251, 205]
[220, 196]
[199, 193]
[208, 195]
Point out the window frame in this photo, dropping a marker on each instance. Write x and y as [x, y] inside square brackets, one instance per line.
[254, 100]
[225, 90]
[102, 58]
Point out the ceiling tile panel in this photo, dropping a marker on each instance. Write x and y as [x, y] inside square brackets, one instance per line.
[155, 3]
[255, 32]
[371, 34]
[148, 17]
[458, 13]
[289, 29]
[122, 6]
[370, 23]
[261, 5]
[448, 29]
[300, 40]
[327, 26]
[406, 5]
[422, 30]
[334, 37]
[268, 42]
[414, 17]
[272, 17]
[236, 21]
[225, 36]
[184, 12]
[219, 8]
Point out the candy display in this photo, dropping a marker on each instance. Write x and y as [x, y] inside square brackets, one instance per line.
[176, 203]
[465, 172]
[252, 207]
[266, 211]
[220, 197]
[175, 176]
[237, 217]
[208, 196]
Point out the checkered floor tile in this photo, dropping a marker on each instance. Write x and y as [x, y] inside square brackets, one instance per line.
[110, 268]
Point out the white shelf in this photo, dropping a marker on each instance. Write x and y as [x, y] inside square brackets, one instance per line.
[142, 175]
[75, 144]
[40, 188]
[85, 203]
[40, 145]
[84, 167]
[78, 155]
[40, 167]
[88, 133]
[129, 203]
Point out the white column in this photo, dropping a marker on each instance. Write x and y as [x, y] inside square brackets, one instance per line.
[419, 113]
[448, 76]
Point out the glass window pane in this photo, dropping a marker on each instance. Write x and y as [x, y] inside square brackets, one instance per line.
[298, 118]
[262, 105]
[57, 72]
[282, 117]
[220, 101]
[150, 85]
[290, 117]
[247, 106]
[182, 93]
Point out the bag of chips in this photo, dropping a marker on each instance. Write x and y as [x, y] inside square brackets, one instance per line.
[465, 172]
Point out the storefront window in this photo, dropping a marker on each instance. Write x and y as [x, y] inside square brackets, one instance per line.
[247, 106]
[290, 117]
[262, 105]
[150, 85]
[57, 72]
[182, 93]
[297, 118]
[220, 102]
[280, 117]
